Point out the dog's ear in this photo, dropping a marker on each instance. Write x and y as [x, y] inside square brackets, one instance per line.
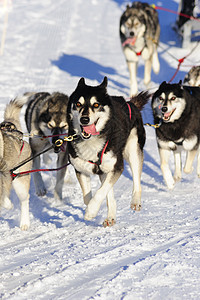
[104, 82]
[81, 82]
[180, 82]
[162, 84]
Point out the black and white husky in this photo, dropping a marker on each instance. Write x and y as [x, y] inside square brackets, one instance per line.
[108, 130]
[46, 116]
[139, 34]
[177, 107]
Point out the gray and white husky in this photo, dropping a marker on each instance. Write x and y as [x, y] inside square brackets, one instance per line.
[14, 150]
[46, 116]
[139, 34]
[108, 130]
[177, 109]
[192, 78]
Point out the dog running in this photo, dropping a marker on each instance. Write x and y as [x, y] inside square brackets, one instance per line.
[177, 109]
[13, 151]
[108, 130]
[139, 35]
[46, 117]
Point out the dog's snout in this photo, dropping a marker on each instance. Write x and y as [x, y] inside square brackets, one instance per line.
[164, 109]
[85, 120]
[131, 33]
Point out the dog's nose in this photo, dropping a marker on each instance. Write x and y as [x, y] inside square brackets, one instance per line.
[85, 120]
[164, 109]
[131, 33]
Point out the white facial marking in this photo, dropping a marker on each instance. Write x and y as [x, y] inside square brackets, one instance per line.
[93, 100]
[81, 100]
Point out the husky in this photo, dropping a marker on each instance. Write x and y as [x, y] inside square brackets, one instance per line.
[13, 151]
[108, 130]
[139, 34]
[45, 116]
[192, 78]
[177, 108]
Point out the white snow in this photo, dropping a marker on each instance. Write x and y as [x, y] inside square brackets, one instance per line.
[151, 254]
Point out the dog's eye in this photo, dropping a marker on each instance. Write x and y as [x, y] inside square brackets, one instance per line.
[173, 98]
[161, 98]
[78, 104]
[96, 105]
[50, 125]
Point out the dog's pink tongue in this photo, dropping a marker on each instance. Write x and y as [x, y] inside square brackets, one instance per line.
[90, 129]
[166, 115]
[130, 41]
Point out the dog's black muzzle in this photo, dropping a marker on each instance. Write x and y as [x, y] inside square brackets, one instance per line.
[84, 120]
[55, 133]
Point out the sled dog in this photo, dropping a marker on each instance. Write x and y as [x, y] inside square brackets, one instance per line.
[193, 77]
[108, 130]
[14, 150]
[177, 107]
[139, 34]
[46, 116]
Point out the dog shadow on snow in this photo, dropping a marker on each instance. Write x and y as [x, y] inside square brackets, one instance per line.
[81, 66]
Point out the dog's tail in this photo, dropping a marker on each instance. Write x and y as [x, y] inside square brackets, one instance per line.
[5, 181]
[12, 111]
[140, 100]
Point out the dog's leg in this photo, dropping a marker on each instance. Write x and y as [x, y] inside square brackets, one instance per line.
[21, 186]
[147, 71]
[61, 161]
[178, 166]
[84, 182]
[6, 203]
[111, 205]
[37, 178]
[164, 164]
[132, 66]
[132, 62]
[101, 194]
[155, 62]
[134, 157]
[188, 168]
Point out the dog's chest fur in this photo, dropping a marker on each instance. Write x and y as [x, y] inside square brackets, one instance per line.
[90, 158]
[89, 149]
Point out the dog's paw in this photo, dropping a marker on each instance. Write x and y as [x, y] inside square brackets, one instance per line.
[136, 207]
[177, 178]
[109, 222]
[188, 171]
[24, 227]
[88, 216]
[41, 191]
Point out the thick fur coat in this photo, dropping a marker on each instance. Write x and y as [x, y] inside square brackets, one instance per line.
[108, 130]
[178, 109]
[139, 34]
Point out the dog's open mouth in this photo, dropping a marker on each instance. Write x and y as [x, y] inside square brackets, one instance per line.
[167, 115]
[89, 130]
[129, 41]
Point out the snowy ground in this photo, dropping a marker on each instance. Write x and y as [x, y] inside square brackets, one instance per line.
[153, 254]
